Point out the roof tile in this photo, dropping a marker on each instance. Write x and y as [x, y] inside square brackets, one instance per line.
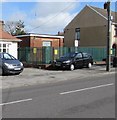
[104, 13]
[6, 36]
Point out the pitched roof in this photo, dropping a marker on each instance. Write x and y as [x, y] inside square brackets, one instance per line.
[103, 12]
[4, 36]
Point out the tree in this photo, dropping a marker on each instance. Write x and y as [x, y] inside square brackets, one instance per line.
[15, 27]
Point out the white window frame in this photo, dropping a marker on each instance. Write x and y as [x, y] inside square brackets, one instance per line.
[6, 47]
[46, 43]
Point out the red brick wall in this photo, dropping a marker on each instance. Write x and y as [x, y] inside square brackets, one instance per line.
[37, 42]
[61, 42]
[25, 42]
[55, 42]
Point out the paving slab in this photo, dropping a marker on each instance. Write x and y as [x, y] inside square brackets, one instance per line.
[34, 76]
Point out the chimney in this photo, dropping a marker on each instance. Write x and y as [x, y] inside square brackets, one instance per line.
[60, 33]
[1, 25]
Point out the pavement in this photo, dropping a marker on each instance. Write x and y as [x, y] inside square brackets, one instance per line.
[35, 76]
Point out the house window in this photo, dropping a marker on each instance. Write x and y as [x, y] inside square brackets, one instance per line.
[77, 34]
[4, 47]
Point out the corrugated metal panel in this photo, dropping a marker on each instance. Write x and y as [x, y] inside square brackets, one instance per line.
[47, 54]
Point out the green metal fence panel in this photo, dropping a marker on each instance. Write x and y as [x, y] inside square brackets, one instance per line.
[46, 55]
[23, 54]
[61, 51]
[33, 55]
[27, 53]
[72, 49]
[98, 53]
[56, 53]
[65, 50]
[39, 55]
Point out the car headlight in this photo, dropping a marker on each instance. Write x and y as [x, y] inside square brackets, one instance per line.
[10, 66]
[68, 61]
[21, 63]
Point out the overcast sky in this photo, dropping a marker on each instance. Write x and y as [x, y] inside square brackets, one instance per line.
[46, 17]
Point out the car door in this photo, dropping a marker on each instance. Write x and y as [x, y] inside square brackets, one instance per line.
[86, 59]
[79, 60]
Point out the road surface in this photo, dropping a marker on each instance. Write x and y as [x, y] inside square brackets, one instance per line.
[91, 97]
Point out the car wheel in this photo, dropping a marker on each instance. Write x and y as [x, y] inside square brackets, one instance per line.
[89, 65]
[3, 72]
[72, 67]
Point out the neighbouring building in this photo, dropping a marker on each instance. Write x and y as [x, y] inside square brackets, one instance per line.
[39, 40]
[8, 43]
[89, 28]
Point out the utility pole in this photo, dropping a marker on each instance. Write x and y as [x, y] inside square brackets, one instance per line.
[108, 59]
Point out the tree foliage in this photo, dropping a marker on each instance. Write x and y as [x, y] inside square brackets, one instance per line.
[15, 27]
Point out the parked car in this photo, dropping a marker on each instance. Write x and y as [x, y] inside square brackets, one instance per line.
[74, 60]
[10, 65]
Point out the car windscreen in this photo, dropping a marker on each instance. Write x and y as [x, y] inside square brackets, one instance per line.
[69, 55]
[8, 57]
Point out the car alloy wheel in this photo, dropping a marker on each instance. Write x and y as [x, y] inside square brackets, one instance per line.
[72, 67]
[89, 65]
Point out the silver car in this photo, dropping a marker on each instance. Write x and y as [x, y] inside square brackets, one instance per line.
[10, 65]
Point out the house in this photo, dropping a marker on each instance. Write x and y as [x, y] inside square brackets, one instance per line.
[40, 40]
[8, 43]
[89, 28]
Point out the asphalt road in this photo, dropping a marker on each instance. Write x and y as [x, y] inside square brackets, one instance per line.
[91, 97]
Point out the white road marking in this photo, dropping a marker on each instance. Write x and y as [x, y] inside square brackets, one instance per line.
[63, 93]
[14, 102]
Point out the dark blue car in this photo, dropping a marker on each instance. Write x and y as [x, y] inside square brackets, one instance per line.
[9, 64]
